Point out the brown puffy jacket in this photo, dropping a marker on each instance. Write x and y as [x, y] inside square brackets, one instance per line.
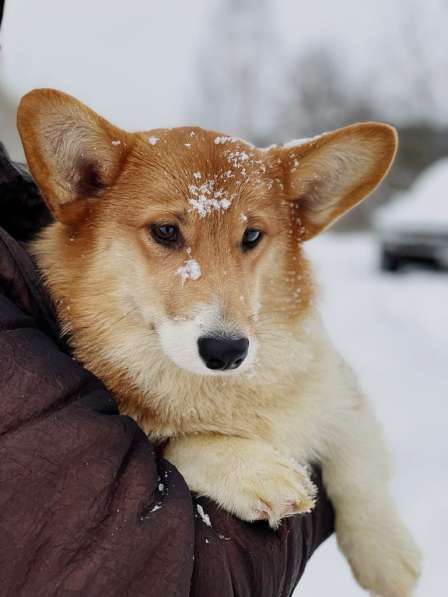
[86, 506]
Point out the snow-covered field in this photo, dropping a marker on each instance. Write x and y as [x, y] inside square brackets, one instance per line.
[394, 331]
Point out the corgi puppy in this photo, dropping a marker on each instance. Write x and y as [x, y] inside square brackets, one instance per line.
[176, 262]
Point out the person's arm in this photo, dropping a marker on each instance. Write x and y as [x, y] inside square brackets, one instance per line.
[83, 510]
[23, 212]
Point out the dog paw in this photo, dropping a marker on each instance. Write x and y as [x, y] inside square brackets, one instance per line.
[277, 491]
[245, 477]
[384, 558]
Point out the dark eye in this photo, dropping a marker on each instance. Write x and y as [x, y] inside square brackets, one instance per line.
[251, 238]
[166, 234]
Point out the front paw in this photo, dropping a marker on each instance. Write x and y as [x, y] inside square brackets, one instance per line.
[253, 482]
[383, 556]
[278, 491]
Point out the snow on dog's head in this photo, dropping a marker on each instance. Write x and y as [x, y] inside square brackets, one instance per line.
[183, 247]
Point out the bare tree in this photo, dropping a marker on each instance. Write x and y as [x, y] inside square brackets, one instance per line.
[238, 65]
[409, 77]
[248, 88]
[319, 96]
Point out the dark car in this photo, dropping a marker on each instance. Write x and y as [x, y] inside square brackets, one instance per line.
[413, 227]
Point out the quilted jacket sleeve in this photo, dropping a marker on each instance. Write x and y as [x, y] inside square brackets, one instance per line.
[85, 506]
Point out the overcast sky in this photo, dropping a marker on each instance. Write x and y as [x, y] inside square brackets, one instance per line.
[135, 61]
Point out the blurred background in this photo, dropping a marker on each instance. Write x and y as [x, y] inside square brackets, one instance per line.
[271, 71]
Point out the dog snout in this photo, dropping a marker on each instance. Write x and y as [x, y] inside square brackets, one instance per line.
[222, 354]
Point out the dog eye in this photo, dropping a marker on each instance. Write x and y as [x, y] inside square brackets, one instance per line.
[166, 234]
[251, 238]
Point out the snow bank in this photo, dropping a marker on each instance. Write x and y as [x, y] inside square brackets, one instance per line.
[394, 331]
[422, 209]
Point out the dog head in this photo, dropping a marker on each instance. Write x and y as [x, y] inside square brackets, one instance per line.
[183, 246]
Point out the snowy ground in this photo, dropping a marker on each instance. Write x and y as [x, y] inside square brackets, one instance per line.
[394, 331]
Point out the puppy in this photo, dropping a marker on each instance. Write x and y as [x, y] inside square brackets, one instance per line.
[177, 266]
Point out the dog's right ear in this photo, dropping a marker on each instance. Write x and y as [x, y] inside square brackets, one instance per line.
[73, 154]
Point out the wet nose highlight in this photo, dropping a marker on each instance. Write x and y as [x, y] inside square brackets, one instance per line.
[222, 354]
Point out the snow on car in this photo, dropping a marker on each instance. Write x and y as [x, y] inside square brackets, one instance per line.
[413, 228]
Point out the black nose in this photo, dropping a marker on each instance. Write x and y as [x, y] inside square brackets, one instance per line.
[223, 353]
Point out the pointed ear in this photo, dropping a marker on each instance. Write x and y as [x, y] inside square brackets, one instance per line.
[330, 174]
[73, 154]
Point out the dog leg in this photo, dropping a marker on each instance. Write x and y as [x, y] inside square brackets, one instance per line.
[246, 477]
[381, 552]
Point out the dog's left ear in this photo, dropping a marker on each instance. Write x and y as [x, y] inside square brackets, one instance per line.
[74, 155]
[328, 175]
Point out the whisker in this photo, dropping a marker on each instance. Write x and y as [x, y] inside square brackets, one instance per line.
[84, 326]
[123, 316]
